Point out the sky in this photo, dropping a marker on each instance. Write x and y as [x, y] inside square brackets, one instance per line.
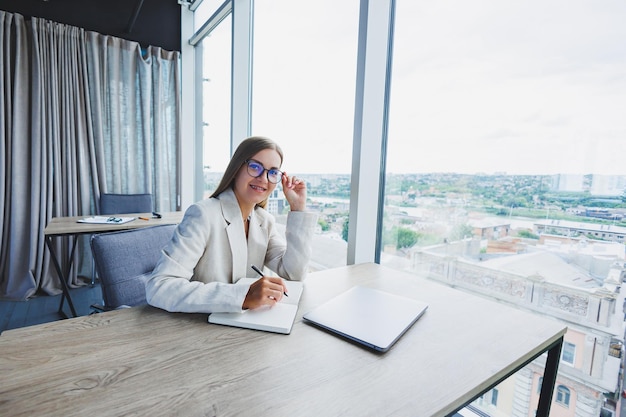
[532, 87]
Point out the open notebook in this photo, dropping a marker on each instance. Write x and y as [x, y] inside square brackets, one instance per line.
[278, 319]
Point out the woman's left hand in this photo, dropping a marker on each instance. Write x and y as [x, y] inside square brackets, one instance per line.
[295, 192]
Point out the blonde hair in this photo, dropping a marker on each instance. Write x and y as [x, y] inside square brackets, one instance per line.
[246, 150]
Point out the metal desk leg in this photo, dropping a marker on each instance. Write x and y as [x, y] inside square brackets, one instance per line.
[63, 277]
[549, 379]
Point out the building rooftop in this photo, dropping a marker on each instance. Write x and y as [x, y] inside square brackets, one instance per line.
[592, 227]
[549, 265]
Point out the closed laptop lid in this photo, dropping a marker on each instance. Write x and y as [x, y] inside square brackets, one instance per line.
[368, 316]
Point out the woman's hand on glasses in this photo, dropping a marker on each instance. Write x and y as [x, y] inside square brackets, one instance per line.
[295, 192]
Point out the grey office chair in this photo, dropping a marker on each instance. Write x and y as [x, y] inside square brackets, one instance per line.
[122, 204]
[124, 261]
[125, 203]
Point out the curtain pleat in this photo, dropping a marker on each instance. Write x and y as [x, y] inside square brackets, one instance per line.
[17, 158]
[79, 115]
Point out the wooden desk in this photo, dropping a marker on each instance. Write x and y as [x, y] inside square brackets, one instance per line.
[144, 361]
[70, 227]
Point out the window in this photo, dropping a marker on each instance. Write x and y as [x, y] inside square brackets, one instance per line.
[303, 97]
[562, 395]
[568, 353]
[204, 11]
[216, 83]
[494, 397]
[504, 123]
[499, 114]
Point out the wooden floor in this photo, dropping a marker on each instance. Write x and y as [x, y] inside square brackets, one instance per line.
[44, 308]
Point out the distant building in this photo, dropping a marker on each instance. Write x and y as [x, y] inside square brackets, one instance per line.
[576, 229]
[575, 281]
[276, 202]
[596, 185]
[491, 230]
[600, 213]
[568, 182]
[608, 185]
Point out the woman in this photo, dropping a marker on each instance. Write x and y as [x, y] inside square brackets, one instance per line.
[221, 238]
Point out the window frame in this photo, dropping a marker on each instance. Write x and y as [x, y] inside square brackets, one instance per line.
[569, 349]
[563, 395]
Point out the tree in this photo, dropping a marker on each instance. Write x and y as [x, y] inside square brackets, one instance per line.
[527, 234]
[344, 230]
[406, 238]
[461, 231]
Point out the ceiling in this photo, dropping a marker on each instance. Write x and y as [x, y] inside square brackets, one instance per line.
[149, 22]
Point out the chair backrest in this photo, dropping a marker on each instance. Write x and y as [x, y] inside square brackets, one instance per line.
[125, 203]
[124, 261]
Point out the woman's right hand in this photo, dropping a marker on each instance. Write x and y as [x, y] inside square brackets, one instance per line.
[266, 291]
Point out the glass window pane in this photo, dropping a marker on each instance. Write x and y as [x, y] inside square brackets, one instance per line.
[216, 104]
[205, 11]
[304, 80]
[505, 172]
[568, 353]
[498, 110]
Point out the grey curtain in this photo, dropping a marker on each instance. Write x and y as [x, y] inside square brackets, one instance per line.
[17, 156]
[81, 113]
[135, 107]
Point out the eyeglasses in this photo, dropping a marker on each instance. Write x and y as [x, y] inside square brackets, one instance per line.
[256, 169]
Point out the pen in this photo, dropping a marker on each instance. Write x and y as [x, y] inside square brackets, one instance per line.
[143, 218]
[258, 271]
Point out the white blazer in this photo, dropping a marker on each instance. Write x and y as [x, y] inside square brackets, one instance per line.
[209, 252]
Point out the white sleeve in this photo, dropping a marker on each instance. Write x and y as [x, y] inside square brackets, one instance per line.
[170, 286]
[183, 296]
[290, 258]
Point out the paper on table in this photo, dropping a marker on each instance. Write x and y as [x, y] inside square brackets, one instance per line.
[278, 319]
[106, 220]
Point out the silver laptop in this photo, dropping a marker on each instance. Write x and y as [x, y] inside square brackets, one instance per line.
[371, 317]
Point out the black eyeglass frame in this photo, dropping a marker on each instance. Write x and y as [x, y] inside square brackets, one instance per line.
[251, 173]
